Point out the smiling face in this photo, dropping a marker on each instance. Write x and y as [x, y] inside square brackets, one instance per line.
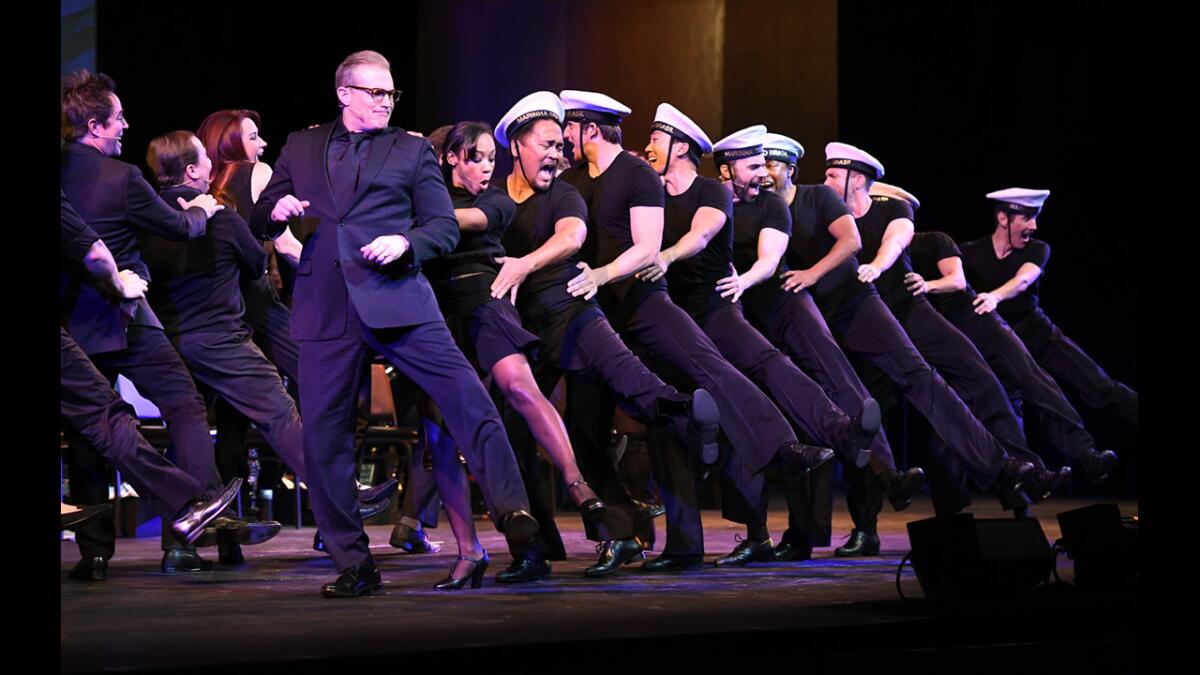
[362, 111]
[778, 175]
[747, 176]
[659, 148]
[474, 172]
[107, 134]
[252, 143]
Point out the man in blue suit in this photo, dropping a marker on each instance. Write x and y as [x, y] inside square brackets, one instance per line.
[374, 203]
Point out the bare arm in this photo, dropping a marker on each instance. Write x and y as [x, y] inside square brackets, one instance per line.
[706, 222]
[568, 237]
[103, 268]
[471, 220]
[848, 242]
[1026, 275]
[898, 234]
[646, 226]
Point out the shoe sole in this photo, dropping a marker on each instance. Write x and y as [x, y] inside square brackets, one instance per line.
[246, 536]
[707, 419]
[226, 498]
[520, 530]
[366, 591]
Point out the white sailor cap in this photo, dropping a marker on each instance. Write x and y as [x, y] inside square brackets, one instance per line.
[895, 192]
[782, 148]
[740, 144]
[1020, 200]
[846, 156]
[591, 106]
[669, 120]
[540, 105]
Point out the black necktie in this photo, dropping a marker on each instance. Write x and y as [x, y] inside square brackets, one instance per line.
[345, 165]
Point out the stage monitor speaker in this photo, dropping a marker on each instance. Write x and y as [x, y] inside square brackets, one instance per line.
[1102, 545]
[963, 561]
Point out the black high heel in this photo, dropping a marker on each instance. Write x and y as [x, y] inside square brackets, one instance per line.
[475, 576]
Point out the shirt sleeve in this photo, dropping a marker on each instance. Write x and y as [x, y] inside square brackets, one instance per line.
[716, 196]
[1039, 254]
[645, 188]
[775, 213]
[250, 255]
[568, 204]
[77, 237]
[498, 208]
[828, 205]
[943, 246]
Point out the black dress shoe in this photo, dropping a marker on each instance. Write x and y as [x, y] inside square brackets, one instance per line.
[647, 510]
[791, 551]
[369, 509]
[229, 550]
[1011, 484]
[704, 423]
[475, 576]
[524, 569]
[1096, 465]
[1044, 482]
[603, 522]
[854, 443]
[68, 520]
[384, 490]
[902, 487]
[355, 581]
[318, 542]
[409, 540]
[672, 561]
[184, 560]
[90, 569]
[236, 529]
[519, 528]
[747, 552]
[189, 525]
[613, 554]
[800, 458]
[859, 543]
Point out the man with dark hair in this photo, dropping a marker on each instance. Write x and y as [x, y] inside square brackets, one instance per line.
[375, 205]
[1010, 263]
[91, 407]
[126, 337]
[710, 230]
[541, 244]
[938, 274]
[625, 203]
[792, 321]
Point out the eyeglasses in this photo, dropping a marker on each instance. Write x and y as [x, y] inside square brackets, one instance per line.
[378, 94]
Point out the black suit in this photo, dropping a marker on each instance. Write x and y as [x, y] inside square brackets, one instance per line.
[127, 338]
[346, 307]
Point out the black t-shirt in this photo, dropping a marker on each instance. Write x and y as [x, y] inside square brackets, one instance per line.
[627, 183]
[693, 282]
[544, 293]
[814, 208]
[926, 249]
[986, 273]
[768, 210]
[872, 226]
[197, 283]
[475, 255]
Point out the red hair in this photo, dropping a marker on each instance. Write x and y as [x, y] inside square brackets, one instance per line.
[221, 135]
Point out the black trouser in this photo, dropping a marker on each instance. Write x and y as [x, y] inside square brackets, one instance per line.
[1038, 393]
[107, 422]
[964, 368]
[866, 327]
[796, 394]
[330, 372]
[154, 367]
[270, 320]
[1074, 369]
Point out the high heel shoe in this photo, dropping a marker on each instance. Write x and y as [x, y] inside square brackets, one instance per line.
[475, 576]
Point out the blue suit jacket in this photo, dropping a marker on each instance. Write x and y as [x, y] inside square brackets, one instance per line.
[400, 191]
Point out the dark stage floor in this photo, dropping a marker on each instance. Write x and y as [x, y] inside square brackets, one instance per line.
[815, 614]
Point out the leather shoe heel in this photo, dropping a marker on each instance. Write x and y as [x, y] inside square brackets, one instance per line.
[355, 581]
[190, 525]
[519, 527]
[90, 569]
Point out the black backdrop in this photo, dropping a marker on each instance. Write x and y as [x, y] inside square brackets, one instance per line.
[956, 99]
